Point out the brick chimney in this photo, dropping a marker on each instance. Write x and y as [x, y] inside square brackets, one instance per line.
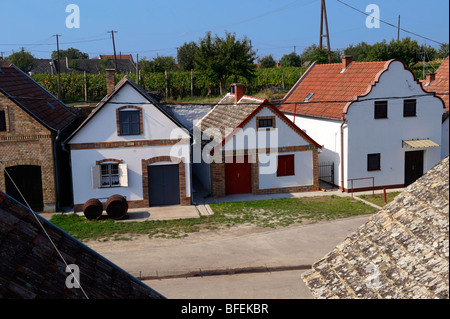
[346, 60]
[110, 81]
[430, 77]
[238, 90]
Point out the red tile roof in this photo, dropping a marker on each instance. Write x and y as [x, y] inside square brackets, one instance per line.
[332, 89]
[440, 83]
[34, 99]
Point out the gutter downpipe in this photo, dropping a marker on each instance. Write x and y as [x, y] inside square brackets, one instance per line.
[342, 152]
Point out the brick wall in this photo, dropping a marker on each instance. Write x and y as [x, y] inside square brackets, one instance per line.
[27, 142]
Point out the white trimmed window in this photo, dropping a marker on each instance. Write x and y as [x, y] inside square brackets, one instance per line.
[106, 175]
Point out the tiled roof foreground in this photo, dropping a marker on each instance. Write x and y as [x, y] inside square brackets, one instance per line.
[31, 268]
[402, 252]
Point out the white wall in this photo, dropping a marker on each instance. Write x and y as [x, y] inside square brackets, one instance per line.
[364, 135]
[103, 128]
[303, 173]
[83, 160]
[285, 136]
[327, 133]
[368, 135]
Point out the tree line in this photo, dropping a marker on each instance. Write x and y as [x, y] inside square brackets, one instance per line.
[208, 66]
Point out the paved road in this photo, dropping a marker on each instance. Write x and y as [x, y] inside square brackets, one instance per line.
[298, 247]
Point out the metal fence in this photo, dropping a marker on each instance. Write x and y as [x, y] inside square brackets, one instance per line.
[326, 172]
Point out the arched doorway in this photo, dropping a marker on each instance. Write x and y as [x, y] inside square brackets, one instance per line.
[28, 179]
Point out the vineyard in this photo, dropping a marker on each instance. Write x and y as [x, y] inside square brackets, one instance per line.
[176, 84]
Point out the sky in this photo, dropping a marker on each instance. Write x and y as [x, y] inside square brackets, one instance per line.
[150, 28]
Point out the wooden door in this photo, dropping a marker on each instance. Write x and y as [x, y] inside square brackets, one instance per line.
[163, 185]
[28, 180]
[238, 176]
[413, 166]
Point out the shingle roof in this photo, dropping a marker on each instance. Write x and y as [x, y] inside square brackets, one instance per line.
[230, 115]
[31, 267]
[401, 252]
[440, 85]
[332, 89]
[34, 99]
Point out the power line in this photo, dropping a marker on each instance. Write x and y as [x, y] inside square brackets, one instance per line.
[390, 24]
[42, 227]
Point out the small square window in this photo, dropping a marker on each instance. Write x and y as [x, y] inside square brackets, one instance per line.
[129, 122]
[286, 165]
[109, 175]
[265, 123]
[2, 121]
[381, 109]
[409, 108]
[373, 162]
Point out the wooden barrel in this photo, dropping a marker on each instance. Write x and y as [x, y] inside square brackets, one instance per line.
[93, 209]
[116, 207]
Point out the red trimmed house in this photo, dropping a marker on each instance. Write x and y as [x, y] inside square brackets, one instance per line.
[249, 146]
[378, 126]
[129, 145]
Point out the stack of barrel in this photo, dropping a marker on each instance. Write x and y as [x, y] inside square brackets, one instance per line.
[116, 208]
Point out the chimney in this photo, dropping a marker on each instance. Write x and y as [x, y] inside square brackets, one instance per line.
[430, 77]
[238, 90]
[110, 81]
[346, 60]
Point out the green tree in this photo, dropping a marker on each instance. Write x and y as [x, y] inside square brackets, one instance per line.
[186, 54]
[70, 53]
[291, 59]
[23, 60]
[443, 51]
[158, 64]
[220, 58]
[267, 62]
[313, 53]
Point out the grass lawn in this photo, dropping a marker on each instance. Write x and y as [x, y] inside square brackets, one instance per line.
[263, 213]
[378, 199]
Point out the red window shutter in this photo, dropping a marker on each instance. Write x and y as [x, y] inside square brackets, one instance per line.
[286, 165]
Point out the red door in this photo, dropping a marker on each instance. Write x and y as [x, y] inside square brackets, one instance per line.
[238, 177]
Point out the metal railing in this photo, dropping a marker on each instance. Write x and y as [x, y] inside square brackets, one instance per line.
[357, 179]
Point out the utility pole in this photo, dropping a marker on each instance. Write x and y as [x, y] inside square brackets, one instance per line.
[398, 30]
[323, 18]
[137, 68]
[58, 69]
[114, 47]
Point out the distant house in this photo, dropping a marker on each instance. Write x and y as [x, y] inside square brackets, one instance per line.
[439, 83]
[254, 149]
[33, 124]
[90, 66]
[35, 256]
[129, 145]
[379, 128]
[400, 253]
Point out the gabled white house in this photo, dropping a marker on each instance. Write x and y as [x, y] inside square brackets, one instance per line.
[375, 122]
[129, 145]
[248, 146]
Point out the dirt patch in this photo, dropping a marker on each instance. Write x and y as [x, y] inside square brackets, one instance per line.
[135, 241]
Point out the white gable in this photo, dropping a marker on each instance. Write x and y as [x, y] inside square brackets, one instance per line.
[102, 127]
[251, 138]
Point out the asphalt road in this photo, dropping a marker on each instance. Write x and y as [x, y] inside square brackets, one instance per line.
[182, 266]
